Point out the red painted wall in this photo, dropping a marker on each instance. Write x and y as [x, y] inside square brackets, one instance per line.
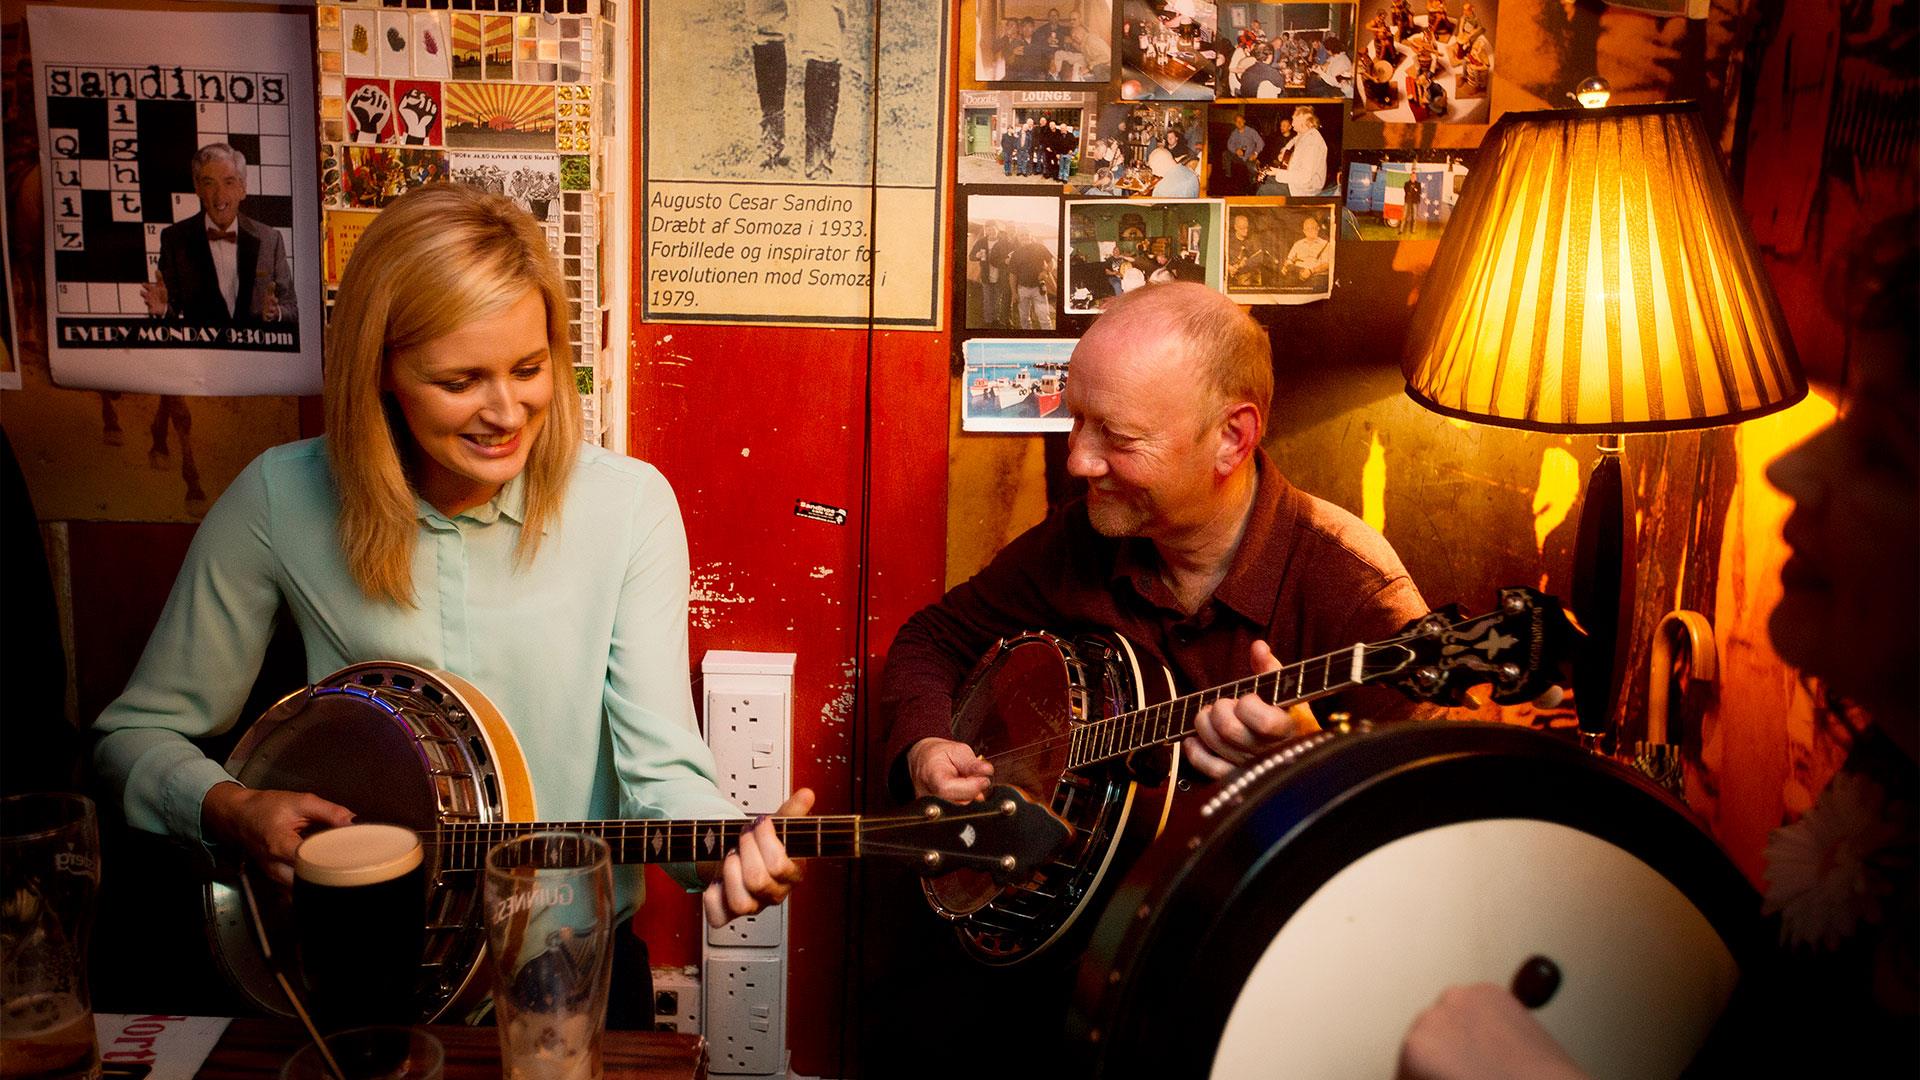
[743, 421]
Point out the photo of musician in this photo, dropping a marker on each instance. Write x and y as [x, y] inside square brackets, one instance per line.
[1169, 51]
[1189, 542]
[1300, 169]
[1307, 54]
[1243, 146]
[221, 267]
[1043, 41]
[1426, 65]
[452, 517]
[1297, 155]
[1253, 250]
[1111, 241]
[1402, 194]
[1309, 262]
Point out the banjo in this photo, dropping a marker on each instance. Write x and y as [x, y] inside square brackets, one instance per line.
[1062, 719]
[425, 749]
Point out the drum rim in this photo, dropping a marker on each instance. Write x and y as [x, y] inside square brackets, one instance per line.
[1159, 928]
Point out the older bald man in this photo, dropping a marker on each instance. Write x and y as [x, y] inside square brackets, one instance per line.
[1188, 541]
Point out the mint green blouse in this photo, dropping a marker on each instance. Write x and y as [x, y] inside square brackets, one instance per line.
[584, 651]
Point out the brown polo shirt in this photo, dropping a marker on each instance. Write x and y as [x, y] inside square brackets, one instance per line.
[1307, 578]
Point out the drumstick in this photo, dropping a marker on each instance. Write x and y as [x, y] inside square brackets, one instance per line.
[266, 952]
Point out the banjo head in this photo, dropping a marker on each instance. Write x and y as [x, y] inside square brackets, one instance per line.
[1022, 703]
[395, 744]
[1333, 890]
[1023, 694]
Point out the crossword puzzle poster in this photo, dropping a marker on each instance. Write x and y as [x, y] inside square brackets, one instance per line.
[148, 290]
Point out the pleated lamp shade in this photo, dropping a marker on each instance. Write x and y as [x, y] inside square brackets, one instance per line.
[1597, 276]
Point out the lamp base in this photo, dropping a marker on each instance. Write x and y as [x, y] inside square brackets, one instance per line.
[1601, 590]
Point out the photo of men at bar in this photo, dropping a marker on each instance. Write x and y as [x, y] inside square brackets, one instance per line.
[1168, 50]
[1146, 149]
[1115, 248]
[1043, 40]
[1287, 50]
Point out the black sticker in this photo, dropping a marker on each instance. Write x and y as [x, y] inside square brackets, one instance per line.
[819, 512]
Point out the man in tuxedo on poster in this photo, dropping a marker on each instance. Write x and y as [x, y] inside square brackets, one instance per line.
[1189, 542]
[221, 267]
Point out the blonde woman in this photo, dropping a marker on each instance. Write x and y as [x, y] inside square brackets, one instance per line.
[451, 518]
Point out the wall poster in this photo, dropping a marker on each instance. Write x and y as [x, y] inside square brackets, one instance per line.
[515, 97]
[795, 177]
[182, 238]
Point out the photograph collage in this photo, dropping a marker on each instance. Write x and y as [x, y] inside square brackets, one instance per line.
[499, 94]
[1104, 145]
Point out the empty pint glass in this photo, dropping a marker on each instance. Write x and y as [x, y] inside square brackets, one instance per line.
[49, 880]
[549, 911]
[359, 908]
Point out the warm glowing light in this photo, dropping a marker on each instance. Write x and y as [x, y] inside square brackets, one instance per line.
[1373, 486]
[1597, 277]
[1592, 93]
[1556, 493]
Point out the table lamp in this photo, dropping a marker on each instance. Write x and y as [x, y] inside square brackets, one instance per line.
[1597, 277]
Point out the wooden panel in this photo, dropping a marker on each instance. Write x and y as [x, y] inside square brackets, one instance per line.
[122, 572]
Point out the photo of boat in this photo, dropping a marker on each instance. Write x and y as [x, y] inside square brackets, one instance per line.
[1015, 384]
[1049, 390]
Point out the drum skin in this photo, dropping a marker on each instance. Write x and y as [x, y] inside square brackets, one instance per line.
[307, 756]
[1184, 935]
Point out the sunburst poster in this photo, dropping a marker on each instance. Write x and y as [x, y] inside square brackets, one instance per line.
[499, 116]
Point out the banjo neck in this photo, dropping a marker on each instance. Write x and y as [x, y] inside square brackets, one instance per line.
[1005, 834]
[1291, 684]
[1434, 658]
[657, 840]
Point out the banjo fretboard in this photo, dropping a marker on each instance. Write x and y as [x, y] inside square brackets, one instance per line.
[1170, 721]
[663, 840]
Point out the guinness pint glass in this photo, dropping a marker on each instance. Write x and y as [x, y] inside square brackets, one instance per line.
[49, 879]
[359, 901]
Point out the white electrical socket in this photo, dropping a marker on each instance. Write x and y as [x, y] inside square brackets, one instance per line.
[748, 733]
[676, 999]
[746, 1018]
[748, 717]
[763, 931]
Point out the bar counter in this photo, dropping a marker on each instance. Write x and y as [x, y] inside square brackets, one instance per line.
[251, 1049]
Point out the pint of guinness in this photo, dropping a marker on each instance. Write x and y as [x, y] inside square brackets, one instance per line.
[359, 899]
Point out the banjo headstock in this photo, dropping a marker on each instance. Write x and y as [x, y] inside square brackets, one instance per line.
[1007, 835]
[1519, 648]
